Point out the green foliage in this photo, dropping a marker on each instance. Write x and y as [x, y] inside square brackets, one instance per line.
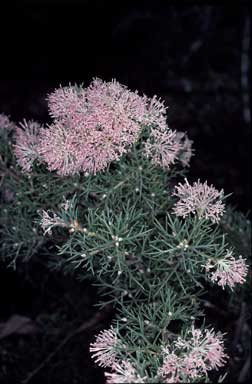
[117, 229]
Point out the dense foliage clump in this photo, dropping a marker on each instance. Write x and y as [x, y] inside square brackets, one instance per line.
[98, 193]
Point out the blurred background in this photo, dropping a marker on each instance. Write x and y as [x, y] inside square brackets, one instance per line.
[194, 57]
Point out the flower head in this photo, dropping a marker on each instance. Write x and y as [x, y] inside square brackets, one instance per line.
[48, 221]
[66, 102]
[193, 355]
[170, 367]
[227, 271]
[164, 146]
[60, 150]
[124, 372]
[93, 126]
[156, 113]
[103, 349]
[26, 147]
[199, 198]
[202, 351]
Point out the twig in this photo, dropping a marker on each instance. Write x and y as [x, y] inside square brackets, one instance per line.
[100, 315]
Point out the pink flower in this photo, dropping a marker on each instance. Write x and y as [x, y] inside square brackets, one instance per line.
[193, 355]
[156, 114]
[103, 349]
[162, 147]
[26, 147]
[60, 150]
[96, 125]
[170, 368]
[202, 352]
[124, 372]
[48, 221]
[227, 271]
[65, 102]
[93, 127]
[199, 198]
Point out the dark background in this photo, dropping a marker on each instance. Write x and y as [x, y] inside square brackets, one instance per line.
[190, 55]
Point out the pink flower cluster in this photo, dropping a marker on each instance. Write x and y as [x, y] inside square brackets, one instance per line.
[193, 356]
[169, 371]
[124, 373]
[103, 349]
[26, 147]
[227, 271]
[156, 113]
[199, 198]
[164, 146]
[94, 126]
